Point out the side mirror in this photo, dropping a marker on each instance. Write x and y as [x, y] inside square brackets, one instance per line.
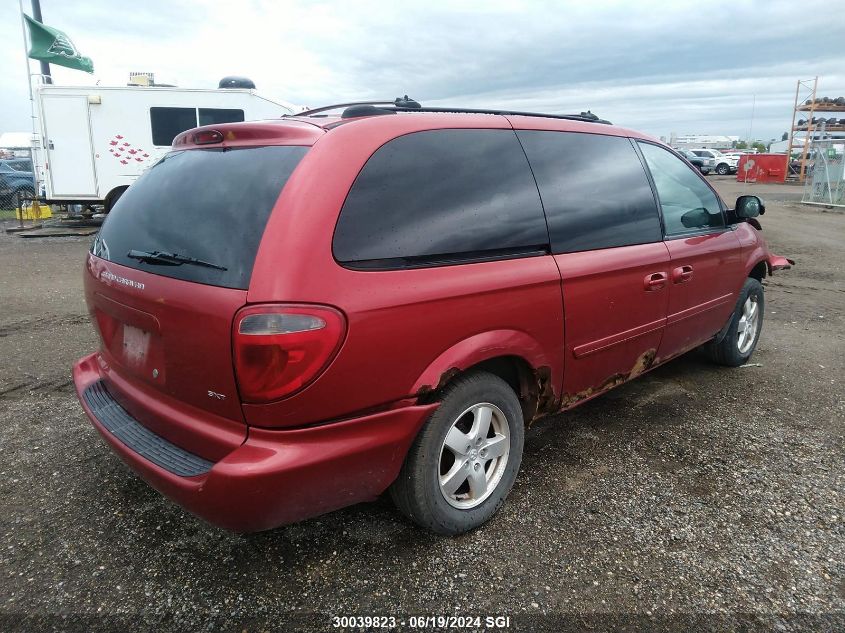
[696, 218]
[749, 207]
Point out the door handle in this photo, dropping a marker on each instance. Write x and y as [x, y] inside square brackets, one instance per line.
[655, 281]
[682, 274]
[50, 145]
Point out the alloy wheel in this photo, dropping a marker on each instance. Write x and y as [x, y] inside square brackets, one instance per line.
[749, 321]
[474, 455]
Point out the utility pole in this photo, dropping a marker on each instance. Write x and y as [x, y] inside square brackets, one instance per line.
[36, 15]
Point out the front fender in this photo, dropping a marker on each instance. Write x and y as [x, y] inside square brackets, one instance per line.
[480, 347]
[755, 251]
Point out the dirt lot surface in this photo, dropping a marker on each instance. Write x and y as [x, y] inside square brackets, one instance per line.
[693, 492]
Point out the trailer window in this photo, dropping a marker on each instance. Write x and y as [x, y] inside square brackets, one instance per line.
[166, 123]
[211, 116]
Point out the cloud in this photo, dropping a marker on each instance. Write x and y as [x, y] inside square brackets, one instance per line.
[658, 67]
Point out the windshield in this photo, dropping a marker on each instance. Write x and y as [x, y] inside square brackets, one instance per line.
[19, 165]
[208, 205]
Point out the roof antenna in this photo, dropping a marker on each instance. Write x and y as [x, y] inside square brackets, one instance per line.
[406, 102]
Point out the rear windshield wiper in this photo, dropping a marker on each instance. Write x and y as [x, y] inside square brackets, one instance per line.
[170, 259]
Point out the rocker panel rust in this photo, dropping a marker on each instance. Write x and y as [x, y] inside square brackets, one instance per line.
[547, 402]
[644, 362]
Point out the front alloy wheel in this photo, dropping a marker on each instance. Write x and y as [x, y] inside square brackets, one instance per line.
[737, 344]
[746, 328]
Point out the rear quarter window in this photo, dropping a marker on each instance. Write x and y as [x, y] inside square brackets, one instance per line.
[210, 204]
[438, 197]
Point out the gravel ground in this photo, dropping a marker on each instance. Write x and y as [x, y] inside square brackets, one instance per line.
[693, 497]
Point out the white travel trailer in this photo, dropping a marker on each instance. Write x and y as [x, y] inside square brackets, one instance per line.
[92, 142]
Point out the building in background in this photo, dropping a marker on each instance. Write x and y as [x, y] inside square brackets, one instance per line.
[781, 147]
[15, 144]
[709, 141]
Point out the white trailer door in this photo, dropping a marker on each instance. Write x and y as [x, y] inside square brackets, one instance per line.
[67, 139]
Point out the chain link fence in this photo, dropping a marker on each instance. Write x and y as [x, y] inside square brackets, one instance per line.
[825, 181]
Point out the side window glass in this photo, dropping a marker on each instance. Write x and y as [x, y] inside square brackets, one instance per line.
[441, 196]
[688, 204]
[167, 123]
[594, 189]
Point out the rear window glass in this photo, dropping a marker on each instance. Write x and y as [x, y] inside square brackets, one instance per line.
[209, 204]
[442, 196]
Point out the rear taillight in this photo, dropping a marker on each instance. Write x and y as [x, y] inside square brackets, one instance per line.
[280, 348]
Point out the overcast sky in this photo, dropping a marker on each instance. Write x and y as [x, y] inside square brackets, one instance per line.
[686, 67]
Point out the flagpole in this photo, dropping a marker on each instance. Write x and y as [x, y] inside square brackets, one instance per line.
[36, 212]
[25, 52]
[45, 67]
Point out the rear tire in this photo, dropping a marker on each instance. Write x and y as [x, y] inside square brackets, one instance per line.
[465, 459]
[740, 341]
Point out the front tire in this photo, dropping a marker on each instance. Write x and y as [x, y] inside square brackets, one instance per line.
[723, 169]
[740, 341]
[465, 459]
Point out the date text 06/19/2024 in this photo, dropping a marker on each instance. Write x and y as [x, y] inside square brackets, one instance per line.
[421, 621]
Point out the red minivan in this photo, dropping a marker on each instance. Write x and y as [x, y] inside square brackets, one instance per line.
[298, 315]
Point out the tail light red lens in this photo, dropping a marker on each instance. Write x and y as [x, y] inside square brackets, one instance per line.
[280, 348]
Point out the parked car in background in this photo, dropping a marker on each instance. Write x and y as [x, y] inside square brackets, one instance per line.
[724, 164]
[705, 165]
[16, 178]
[351, 303]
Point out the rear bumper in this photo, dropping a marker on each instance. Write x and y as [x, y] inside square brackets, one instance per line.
[274, 477]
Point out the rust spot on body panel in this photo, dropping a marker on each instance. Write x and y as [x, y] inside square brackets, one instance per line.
[643, 363]
[546, 400]
[445, 378]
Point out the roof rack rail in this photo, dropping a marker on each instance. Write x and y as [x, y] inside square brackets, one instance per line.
[355, 109]
[405, 103]
[583, 116]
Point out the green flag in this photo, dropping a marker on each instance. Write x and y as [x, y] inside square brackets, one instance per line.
[53, 46]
